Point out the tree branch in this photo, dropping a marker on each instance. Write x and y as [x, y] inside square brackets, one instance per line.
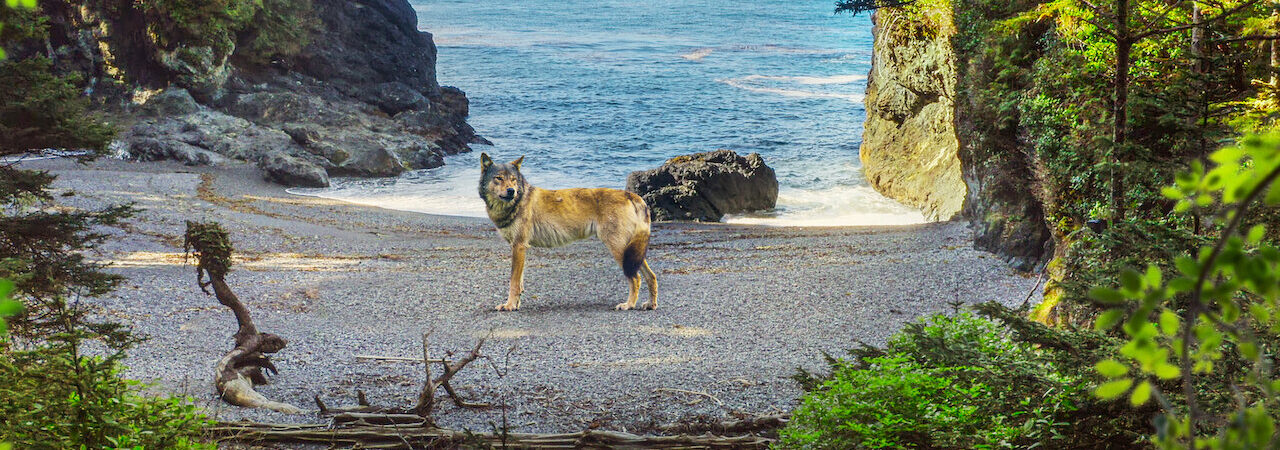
[1225, 14]
[1197, 292]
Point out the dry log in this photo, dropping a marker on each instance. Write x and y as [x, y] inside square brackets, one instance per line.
[426, 436]
[247, 364]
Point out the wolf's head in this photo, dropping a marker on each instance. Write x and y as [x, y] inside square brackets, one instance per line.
[501, 183]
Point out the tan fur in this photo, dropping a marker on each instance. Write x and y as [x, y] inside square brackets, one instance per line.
[552, 218]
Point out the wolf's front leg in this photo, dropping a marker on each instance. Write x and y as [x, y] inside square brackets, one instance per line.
[517, 278]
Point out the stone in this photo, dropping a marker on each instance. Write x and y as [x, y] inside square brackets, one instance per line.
[204, 137]
[281, 168]
[170, 102]
[706, 186]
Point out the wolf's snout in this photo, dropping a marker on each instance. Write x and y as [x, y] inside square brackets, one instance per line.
[510, 194]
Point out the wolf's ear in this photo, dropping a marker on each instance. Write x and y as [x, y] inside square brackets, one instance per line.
[518, 161]
[485, 161]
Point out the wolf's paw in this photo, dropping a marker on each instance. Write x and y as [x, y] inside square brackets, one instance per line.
[623, 306]
[650, 306]
[508, 306]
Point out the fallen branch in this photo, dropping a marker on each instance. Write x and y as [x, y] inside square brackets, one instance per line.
[420, 436]
[427, 398]
[247, 364]
[682, 391]
[397, 359]
[748, 424]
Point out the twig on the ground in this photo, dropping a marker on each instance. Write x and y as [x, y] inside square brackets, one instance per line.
[397, 359]
[683, 391]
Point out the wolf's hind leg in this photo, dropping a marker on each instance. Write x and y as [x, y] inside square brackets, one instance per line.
[652, 280]
[632, 295]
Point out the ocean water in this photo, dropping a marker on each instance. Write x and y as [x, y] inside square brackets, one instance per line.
[589, 91]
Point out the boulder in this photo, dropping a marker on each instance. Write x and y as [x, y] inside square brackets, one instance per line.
[170, 102]
[202, 138]
[290, 171]
[706, 186]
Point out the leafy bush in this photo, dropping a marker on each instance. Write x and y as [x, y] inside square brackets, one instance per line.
[213, 23]
[41, 407]
[959, 382]
[281, 29]
[1202, 344]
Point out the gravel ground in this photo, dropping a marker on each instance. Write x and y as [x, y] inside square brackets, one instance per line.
[740, 307]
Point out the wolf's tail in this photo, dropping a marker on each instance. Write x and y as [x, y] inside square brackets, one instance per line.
[633, 255]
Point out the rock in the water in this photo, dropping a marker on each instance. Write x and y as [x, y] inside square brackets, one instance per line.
[290, 171]
[170, 102]
[706, 186]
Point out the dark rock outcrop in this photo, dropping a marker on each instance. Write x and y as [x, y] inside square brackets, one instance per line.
[170, 102]
[290, 171]
[359, 99]
[706, 186]
[924, 146]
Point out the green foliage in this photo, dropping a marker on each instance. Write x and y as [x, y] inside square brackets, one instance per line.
[1215, 318]
[256, 31]
[212, 23]
[53, 394]
[281, 29]
[211, 247]
[42, 408]
[8, 306]
[48, 112]
[960, 382]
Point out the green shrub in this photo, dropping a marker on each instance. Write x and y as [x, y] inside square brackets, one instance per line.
[42, 407]
[962, 382]
[213, 23]
[281, 29]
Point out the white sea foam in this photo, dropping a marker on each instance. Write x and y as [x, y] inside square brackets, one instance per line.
[451, 191]
[697, 54]
[836, 206]
[812, 81]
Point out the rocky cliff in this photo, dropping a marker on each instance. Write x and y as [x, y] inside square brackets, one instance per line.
[928, 143]
[909, 147]
[304, 88]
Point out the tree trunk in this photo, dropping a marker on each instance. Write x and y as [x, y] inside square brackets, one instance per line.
[1124, 44]
[1275, 54]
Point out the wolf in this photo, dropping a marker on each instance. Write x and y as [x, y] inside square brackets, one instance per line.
[526, 215]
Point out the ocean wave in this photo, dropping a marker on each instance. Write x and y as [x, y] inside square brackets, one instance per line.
[752, 83]
[833, 79]
[698, 54]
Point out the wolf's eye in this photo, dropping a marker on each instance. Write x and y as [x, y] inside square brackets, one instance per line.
[498, 179]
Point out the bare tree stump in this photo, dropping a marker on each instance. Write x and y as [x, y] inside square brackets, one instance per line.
[247, 364]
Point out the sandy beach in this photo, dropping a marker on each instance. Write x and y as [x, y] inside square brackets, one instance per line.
[740, 307]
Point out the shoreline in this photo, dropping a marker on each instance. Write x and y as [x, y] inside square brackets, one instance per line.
[740, 306]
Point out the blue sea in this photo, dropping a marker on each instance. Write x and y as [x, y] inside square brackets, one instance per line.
[589, 91]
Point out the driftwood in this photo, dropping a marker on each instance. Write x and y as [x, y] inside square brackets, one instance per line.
[421, 411]
[247, 364]
[363, 433]
[427, 398]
